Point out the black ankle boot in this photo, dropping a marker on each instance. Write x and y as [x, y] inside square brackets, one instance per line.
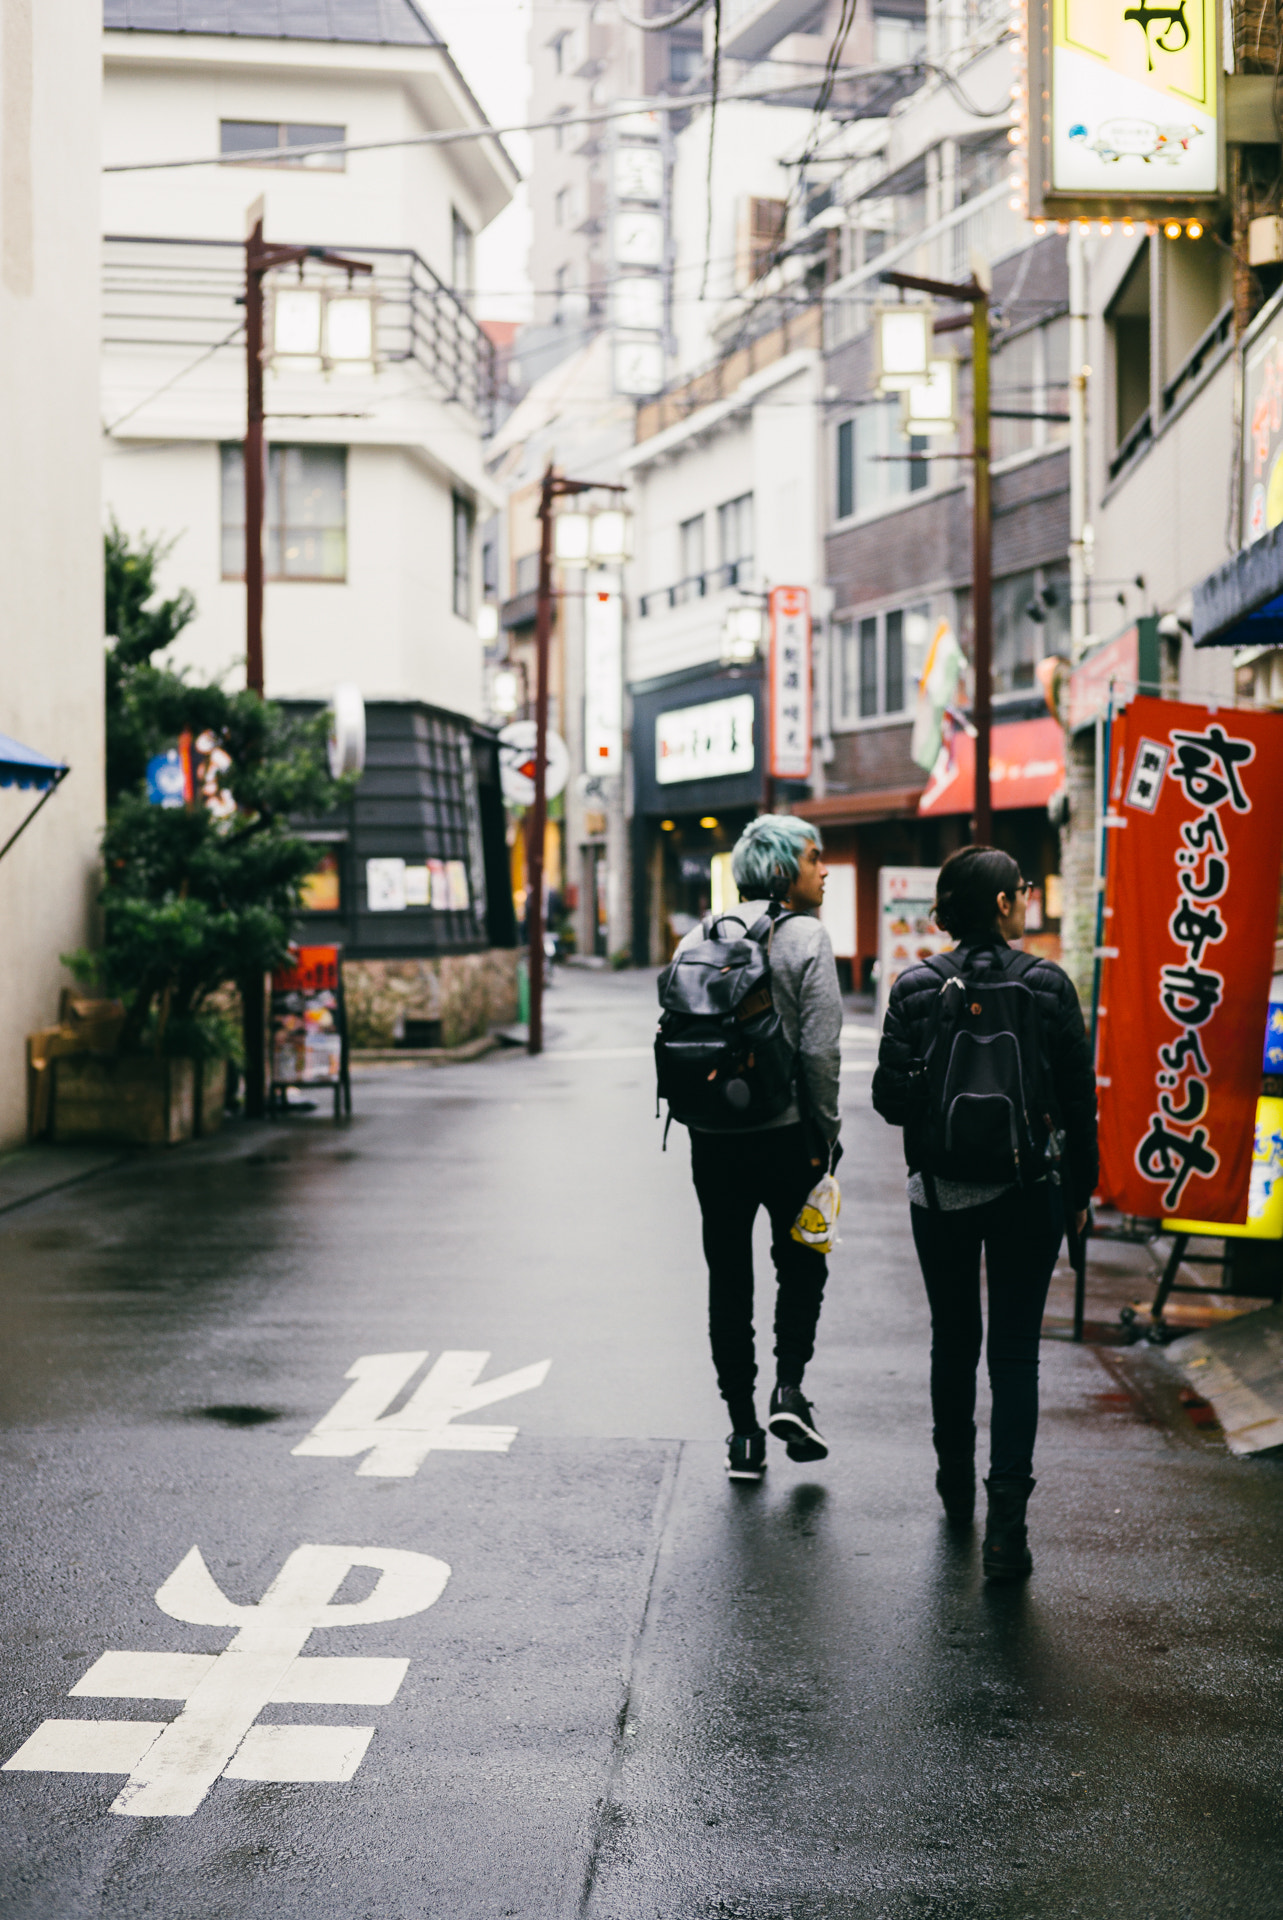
[956, 1476]
[1006, 1552]
[956, 1485]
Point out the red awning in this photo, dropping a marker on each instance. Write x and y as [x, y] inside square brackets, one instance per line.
[1026, 765]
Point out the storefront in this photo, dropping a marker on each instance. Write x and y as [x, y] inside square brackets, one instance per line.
[918, 822]
[699, 768]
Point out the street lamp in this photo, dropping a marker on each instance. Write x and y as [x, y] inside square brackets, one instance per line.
[598, 539]
[976, 296]
[743, 633]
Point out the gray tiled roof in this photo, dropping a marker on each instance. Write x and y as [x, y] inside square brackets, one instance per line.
[397, 23]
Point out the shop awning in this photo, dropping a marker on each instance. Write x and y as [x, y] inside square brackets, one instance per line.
[849, 809]
[1241, 604]
[23, 767]
[1026, 766]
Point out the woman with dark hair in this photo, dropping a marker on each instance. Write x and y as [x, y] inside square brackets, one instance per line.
[1016, 1218]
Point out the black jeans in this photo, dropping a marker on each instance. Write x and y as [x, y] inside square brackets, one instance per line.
[735, 1174]
[1020, 1234]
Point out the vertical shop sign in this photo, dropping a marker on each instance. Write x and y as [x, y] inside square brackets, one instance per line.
[603, 675]
[790, 683]
[1195, 834]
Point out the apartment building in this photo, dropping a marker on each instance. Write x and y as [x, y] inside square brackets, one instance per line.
[378, 389]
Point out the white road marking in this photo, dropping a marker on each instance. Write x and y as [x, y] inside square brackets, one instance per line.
[172, 1765]
[399, 1443]
[600, 1053]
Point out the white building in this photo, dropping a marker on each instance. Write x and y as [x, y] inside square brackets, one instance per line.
[375, 472]
[51, 639]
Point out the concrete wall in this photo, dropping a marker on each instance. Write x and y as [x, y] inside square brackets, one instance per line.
[51, 693]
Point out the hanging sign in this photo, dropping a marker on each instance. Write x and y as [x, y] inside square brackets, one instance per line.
[1128, 122]
[1195, 833]
[517, 764]
[790, 683]
[603, 676]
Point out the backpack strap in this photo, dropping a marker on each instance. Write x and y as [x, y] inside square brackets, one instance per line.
[762, 930]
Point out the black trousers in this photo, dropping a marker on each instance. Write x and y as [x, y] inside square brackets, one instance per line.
[735, 1174]
[1020, 1235]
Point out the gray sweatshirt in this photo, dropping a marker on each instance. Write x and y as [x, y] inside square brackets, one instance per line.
[804, 984]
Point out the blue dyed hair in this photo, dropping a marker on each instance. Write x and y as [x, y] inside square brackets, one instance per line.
[770, 846]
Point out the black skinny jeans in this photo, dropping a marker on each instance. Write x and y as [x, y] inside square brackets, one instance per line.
[1020, 1233]
[735, 1174]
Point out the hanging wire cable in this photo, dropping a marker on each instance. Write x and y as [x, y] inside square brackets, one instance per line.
[662, 24]
[712, 125]
[180, 375]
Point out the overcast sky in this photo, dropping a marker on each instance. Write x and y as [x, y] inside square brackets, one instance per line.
[488, 40]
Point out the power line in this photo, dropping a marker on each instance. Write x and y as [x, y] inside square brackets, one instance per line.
[175, 378]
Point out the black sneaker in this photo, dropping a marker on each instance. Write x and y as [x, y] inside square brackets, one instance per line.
[746, 1455]
[792, 1420]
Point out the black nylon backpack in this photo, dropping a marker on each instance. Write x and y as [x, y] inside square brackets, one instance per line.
[721, 1055]
[984, 1107]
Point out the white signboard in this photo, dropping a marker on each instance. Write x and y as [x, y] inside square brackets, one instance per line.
[639, 173]
[639, 303]
[517, 763]
[906, 931]
[639, 238]
[385, 886]
[639, 367]
[705, 742]
[603, 675]
[790, 683]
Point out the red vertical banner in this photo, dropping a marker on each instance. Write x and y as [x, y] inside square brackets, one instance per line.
[790, 715]
[1195, 831]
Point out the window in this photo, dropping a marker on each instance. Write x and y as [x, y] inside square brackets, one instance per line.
[560, 48]
[685, 58]
[1030, 620]
[877, 661]
[1128, 320]
[305, 536]
[735, 540]
[462, 515]
[896, 40]
[252, 136]
[846, 470]
[460, 256]
[692, 539]
[878, 473]
[561, 287]
[525, 573]
[563, 207]
[559, 132]
[761, 233]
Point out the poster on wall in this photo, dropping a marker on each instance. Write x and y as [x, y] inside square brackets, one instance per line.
[1262, 485]
[906, 931]
[790, 704]
[1195, 834]
[1129, 123]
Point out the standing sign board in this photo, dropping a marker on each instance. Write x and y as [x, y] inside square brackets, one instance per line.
[1195, 833]
[309, 1026]
[790, 683]
[1128, 120]
[906, 931]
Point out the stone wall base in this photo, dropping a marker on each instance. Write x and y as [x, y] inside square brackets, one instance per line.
[466, 993]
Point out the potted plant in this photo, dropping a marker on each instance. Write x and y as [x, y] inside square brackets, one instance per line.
[202, 869]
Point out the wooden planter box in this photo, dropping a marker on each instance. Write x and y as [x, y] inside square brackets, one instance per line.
[135, 1099]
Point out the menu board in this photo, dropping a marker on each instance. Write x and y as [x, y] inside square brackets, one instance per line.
[906, 931]
[308, 1020]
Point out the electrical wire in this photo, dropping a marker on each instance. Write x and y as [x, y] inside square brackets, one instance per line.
[180, 375]
[712, 124]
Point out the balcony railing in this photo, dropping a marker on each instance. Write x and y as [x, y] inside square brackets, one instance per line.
[174, 293]
[696, 586]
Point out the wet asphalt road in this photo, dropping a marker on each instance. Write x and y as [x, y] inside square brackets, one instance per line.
[642, 1693]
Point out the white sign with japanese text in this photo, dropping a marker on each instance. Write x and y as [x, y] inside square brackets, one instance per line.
[705, 742]
[603, 675]
[790, 703]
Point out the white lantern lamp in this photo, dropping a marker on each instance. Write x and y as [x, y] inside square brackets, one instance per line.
[902, 344]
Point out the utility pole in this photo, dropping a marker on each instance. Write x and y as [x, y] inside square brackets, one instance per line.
[552, 487]
[977, 298]
[260, 260]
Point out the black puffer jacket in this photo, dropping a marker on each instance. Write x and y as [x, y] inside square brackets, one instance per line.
[904, 1041]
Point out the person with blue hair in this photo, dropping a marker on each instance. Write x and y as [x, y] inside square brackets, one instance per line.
[779, 872]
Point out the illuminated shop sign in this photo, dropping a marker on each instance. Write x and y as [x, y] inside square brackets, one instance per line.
[705, 742]
[1126, 100]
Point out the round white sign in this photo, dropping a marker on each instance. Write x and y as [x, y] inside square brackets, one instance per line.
[517, 763]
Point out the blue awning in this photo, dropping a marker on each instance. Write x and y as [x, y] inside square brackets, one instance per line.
[23, 767]
[1241, 604]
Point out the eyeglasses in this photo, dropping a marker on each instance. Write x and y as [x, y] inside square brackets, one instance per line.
[1024, 886]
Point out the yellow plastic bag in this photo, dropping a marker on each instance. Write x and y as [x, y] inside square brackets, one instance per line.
[816, 1225]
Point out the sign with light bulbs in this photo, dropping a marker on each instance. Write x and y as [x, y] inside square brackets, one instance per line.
[1121, 110]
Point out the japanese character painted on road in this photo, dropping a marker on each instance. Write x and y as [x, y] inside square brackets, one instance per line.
[1193, 930]
[1197, 758]
[1191, 995]
[1167, 1155]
